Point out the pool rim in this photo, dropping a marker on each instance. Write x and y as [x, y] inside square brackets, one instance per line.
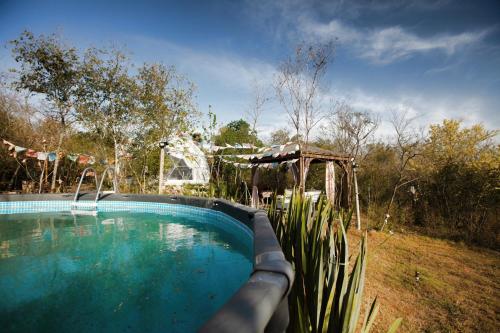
[261, 302]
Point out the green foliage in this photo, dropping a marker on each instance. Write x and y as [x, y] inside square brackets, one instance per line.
[460, 168]
[327, 294]
[236, 190]
[47, 67]
[165, 102]
[237, 131]
[106, 101]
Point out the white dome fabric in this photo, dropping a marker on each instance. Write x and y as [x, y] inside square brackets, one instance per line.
[190, 165]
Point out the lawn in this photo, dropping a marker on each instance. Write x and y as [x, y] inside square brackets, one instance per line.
[458, 289]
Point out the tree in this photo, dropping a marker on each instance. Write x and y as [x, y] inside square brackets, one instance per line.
[236, 132]
[298, 85]
[280, 137]
[349, 130]
[256, 107]
[407, 145]
[165, 107]
[49, 68]
[106, 101]
[460, 167]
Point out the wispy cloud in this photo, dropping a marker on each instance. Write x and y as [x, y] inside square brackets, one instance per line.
[220, 67]
[425, 108]
[387, 45]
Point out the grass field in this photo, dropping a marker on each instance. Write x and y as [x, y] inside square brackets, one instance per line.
[458, 291]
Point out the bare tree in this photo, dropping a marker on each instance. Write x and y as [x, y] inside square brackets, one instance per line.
[349, 130]
[298, 85]
[256, 107]
[407, 144]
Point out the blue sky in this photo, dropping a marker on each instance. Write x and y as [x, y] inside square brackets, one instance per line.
[434, 59]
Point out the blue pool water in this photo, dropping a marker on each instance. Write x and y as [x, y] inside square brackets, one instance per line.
[119, 271]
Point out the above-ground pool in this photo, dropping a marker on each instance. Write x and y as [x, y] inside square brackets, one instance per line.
[138, 266]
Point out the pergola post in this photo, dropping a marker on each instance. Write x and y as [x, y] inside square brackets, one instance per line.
[304, 163]
[255, 189]
[330, 182]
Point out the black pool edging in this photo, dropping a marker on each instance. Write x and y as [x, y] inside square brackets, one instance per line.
[261, 303]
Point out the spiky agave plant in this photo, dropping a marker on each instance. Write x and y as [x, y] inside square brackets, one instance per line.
[327, 295]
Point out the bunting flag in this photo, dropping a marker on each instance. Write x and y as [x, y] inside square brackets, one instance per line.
[44, 156]
[51, 157]
[31, 153]
[10, 144]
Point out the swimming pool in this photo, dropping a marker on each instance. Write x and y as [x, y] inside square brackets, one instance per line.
[143, 264]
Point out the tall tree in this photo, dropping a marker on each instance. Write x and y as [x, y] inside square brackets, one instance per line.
[106, 102]
[298, 86]
[165, 106]
[166, 101]
[50, 68]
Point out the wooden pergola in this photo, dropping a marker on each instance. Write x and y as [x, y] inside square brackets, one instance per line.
[299, 157]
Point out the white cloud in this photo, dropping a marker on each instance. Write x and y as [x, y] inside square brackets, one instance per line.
[387, 45]
[222, 68]
[424, 108]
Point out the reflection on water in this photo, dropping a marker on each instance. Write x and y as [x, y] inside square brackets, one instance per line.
[139, 272]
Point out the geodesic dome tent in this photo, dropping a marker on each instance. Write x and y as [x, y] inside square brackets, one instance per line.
[190, 164]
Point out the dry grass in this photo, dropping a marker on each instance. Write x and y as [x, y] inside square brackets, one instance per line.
[458, 291]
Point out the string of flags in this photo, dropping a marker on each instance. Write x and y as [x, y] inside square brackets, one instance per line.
[289, 148]
[15, 151]
[272, 165]
[214, 148]
[273, 148]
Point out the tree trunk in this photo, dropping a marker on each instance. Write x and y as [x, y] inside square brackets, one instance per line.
[356, 194]
[56, 162]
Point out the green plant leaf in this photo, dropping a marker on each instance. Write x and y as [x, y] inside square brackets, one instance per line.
[395, 325]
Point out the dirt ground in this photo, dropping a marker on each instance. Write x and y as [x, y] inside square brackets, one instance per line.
[458, 288]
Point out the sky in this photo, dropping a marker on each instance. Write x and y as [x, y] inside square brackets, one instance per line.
[432, 59]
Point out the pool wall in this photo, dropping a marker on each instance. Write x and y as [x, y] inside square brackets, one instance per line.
[261, 303]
